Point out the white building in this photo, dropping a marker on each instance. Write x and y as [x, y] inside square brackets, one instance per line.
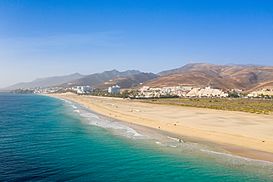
[82, 89]
[206, 92]
[114, 89]
[180, 91]
[259, 93]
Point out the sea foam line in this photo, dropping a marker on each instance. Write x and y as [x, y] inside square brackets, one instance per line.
[176, 139]
[236, 156]
[95, 120]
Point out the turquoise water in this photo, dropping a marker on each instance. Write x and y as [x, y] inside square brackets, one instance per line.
[45, 139]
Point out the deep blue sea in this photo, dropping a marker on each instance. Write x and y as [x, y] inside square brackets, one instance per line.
[45, 139]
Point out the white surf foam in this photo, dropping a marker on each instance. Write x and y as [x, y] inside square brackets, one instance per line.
[236, 157]
[74, 107]
[94, 119]
[176, 139]
[67, 101]
[158, 143]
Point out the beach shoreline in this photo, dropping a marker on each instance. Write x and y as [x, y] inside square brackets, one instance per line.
[199, 125]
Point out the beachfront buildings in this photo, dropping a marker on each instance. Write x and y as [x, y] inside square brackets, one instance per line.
[82, 89]
[114, 89]
[206, 92]
[179, 91]
[262, 92]
[47, 90]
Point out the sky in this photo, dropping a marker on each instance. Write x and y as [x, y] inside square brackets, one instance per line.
[41, 38]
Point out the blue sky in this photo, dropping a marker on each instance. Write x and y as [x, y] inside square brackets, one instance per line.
[41, 38]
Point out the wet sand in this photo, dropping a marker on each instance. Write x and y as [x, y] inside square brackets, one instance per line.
[243, 134]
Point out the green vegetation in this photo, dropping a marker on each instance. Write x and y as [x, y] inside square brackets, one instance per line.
[233, 95]
[104, 93]
[259, 106]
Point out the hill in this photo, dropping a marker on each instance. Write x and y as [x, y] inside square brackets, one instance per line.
[125, 79]
[46, 82]
[244, 77]
[130, 81]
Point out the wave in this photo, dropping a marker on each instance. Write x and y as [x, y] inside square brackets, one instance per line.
[105, 123]
[74, 107]
[236, 157]
[176, 139]
[93, 119]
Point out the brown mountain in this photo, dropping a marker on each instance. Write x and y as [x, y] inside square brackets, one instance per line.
[244, 77]
[130, 81]
[125, 79]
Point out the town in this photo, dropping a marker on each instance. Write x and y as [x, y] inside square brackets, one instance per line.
[146, 92]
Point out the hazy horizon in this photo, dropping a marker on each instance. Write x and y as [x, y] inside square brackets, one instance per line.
[53, 38]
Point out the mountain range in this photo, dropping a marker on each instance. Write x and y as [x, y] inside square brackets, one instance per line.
[245, 77]
[125, 79]
[46, 82]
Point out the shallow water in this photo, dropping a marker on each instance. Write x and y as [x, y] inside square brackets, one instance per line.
[45, 139]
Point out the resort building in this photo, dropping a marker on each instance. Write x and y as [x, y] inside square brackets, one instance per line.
[82, 89]
[114, 89]
[206, 92]
[179, 91]
[262, 92]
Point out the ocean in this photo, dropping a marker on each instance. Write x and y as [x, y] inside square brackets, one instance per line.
[46, 139]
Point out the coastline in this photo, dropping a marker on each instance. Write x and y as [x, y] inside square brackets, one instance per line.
[242, 134]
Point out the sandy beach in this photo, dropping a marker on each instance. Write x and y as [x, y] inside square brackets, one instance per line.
[243, 134]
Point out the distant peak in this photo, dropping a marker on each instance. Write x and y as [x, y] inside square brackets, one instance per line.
[76, 74]
[111, 71]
